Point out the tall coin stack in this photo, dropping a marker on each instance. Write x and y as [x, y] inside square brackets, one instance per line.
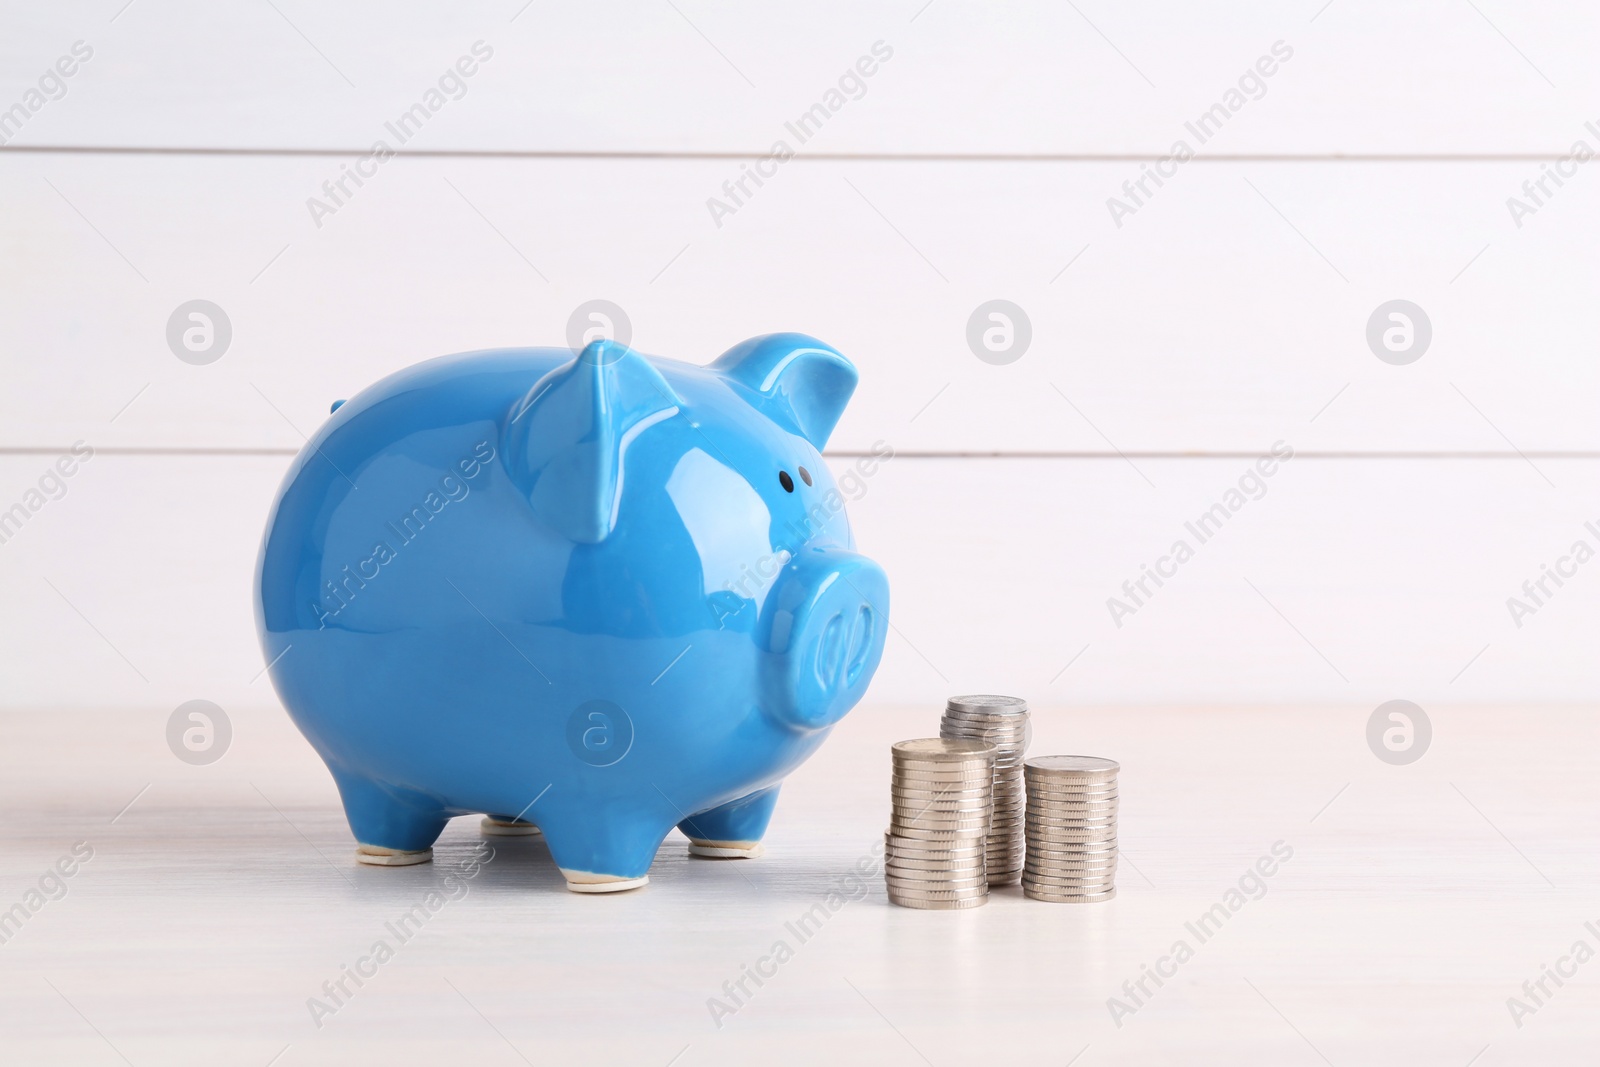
[1003, 722]
[940, 793]
[1071, 829]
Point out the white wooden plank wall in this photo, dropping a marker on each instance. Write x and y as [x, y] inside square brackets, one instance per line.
[1227, 312]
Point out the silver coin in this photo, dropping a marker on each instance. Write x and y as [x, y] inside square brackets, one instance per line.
[915, 846]
[1046, 861]
[964, 834]
[1057, 884]
[1077, 867]
[984, 780]
[1070, 790]
[950, 879]
[944, 801]
[1061, 858]
[1046, 780]
[1073, 831]
[924, 810]
[941, 750]
[909, 861]
[1070, 874]
[936, 880]
[1070, 815]
[946, 864]
[1043, 855]
[978, 787]
[927, 819]
[1066, 898]
[1047, 815]
[1076, 847]
[1007, 720]
[942, 885]
[931, 812]
[1071, 834]
[948, 833]
[933, 819]
[979, 892]
[990, 703]
[912, 792]
[949, 767]
[981, 805]
[1008, 741]
[950, 864]
[939, 905]
[980, 779]
[1103, 877]
[1045, 803]
[1077, 765]
[919, 847]
[1070, 785]
[939, 891]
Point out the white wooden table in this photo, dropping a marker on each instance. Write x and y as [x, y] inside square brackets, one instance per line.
[1417, 901]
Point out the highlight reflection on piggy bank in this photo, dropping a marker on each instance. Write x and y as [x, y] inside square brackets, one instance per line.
[601, 594]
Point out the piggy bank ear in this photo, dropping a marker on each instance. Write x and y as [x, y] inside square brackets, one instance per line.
[799, 382]
[565, 441]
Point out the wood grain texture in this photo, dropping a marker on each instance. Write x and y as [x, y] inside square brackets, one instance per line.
[1034, 78]
[1229, 311]
[1417, 900]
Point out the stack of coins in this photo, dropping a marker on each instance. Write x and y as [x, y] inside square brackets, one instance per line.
[1003, 722]
[1071, 829]
[940, 793]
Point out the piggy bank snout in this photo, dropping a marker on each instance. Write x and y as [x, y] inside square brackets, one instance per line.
[823, 627]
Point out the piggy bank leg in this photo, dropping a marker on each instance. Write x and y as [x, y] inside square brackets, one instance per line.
[507, 826]
[392, 829]
[602, 854]
[732, 831]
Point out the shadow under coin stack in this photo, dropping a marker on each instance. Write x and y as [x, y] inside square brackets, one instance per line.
[1003, 722]
[1071, 829]
[940, 794]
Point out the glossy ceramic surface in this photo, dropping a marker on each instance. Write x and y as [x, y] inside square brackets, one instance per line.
[607, 594]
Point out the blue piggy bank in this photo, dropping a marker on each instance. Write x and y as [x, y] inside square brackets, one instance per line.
[600, 595]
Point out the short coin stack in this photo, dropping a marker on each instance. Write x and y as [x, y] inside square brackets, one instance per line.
[940, 796]
[1003, 722]
[1071, 829]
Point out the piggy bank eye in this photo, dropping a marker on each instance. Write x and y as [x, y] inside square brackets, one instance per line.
[786, 481]
[805, 476]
